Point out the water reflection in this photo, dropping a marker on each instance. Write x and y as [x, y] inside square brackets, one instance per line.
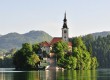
[77, 75]
[56, 75]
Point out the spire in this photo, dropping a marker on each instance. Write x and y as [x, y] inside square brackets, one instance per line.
[65, 17]
[65, 21]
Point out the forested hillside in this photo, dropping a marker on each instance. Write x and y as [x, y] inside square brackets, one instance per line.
[100, 48]
[102, 34]
[98, 44]
[15, 40]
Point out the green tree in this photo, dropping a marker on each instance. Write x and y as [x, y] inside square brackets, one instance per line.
[88, 41]
[60, 48]
[94, 63]
[73, 62]
[79, 59]
[100, 48]
[81, 53]
[36, 48]
[67, 62]
[33, 61]
[25, 58]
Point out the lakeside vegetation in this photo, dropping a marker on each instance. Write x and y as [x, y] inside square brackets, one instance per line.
[98, 47]
[26, 58]
[78, 59]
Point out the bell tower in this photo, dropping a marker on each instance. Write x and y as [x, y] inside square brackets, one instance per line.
[65, 36]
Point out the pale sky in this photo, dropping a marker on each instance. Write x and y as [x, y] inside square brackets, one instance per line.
[83, 16]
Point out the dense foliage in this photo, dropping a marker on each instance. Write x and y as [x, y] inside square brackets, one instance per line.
[100, 48]
[79, 59]
[26, 58]
[60, 49]
[6, 63]
[6, 59]
[97, 46]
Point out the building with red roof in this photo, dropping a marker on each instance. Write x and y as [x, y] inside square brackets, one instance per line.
[55, 40]
[45, 46]
[45, 43]
[65, 35]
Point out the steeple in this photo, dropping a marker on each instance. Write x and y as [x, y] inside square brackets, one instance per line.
[65, 21]
[65, 29]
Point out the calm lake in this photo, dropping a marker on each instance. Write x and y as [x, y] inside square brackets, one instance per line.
[10, 74]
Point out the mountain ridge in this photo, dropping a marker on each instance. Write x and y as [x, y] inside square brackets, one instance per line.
[101, 34]
[15, 40]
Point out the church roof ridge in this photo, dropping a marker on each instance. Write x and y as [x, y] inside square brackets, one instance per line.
[55, 39]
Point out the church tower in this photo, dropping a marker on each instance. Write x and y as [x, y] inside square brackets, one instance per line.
[65, 36]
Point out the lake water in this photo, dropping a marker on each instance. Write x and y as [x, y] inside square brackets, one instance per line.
[10, 74]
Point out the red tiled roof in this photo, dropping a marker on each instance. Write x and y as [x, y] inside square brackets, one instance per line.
[55, 39]
[46, 44]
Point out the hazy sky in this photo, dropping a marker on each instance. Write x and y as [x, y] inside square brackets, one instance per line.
[84, 16]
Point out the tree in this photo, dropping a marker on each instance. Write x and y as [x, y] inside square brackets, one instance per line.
[80, 58]
[25, 58]
[94, 63]
[36, 48]
[81, 53]
[33, 61]
[100, 48]
[64, 59]
[88, 41]
[73, 62]
[67, 62]
[60, 48]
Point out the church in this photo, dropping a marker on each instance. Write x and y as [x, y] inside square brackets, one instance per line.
[45, 46]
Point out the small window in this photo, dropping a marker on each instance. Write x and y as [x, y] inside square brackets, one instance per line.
[64, 31]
